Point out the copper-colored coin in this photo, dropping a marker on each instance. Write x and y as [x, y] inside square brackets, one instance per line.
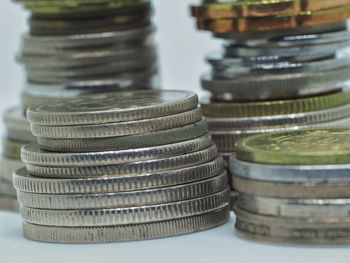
[302, 19]
[261, 8]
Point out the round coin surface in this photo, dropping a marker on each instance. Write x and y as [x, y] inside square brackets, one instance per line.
[310, 146]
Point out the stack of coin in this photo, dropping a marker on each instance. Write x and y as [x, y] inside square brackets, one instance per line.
[294, 186]
[121, 166]
[17, 134]
[284, 66]
[78, 47]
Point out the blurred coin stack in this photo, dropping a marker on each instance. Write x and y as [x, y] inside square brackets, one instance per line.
[17, 134]
[284, 66]
[75, 48]
[122, 166]
[294, 186]
[78, 47]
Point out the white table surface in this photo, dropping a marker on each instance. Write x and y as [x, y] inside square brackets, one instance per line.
[216, 245]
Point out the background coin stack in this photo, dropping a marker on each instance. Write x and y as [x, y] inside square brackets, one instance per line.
[121, 166]
[77, 47]
[17, 134]
[283, 66]
[294, 186]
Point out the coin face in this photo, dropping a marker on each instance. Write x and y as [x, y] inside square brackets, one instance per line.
[118, 106]
[312, 146]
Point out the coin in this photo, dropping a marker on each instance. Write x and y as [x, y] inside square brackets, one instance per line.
[118, 129]
[314, 146]
[116, 107]
[32, 154]
[100, 234]
[275, 107]
[124, 199]
[184, 133]
[288, 207]
[103, 184]
[292, 230]
[128, 215]
[290, 173]
[149, 166]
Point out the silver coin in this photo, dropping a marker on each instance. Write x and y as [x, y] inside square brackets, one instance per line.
[163, 137]
[128, 215]
[124, 199]
[287, 207]
[87, 40]
[268, 87]
[306, 190]
[119, 128]
[292, 230]
[8, 203]
[25, 183]
[8, 166]
[150, 166]
[32, 154]
[127, 232]
[115, 107]
[337, 173]
[217, 124]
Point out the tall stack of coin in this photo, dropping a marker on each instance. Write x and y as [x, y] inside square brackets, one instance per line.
[17, 134]
[294, 186]
[283, 66]
[121, 166]
[77, 47]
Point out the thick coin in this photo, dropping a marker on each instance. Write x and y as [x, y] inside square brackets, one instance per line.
[312, 146]
[126, 216]
[25, 183]
[325, 231]
[163, 137]
[114, 107]
[272, 87]
[229, 9]
[32, 154]
[124, 199]
[128, 232]
[119, 128]
[305, 190]
[275, 107]
[303, 118]
[288, 207]
[302, 19]
[333, 173]
[8, 203]
[123, 169]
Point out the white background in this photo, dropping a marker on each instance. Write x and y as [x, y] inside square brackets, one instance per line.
[181, 52]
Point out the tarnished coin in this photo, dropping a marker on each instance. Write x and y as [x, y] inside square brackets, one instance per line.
[274, 107]
[128, 215]
[114, 107]
[127, 232]
[32, 154]
[26, 183]
[184, 133]
[313, 146]
[119, 128]
[124, 199]
[324, 231]
[150, 166]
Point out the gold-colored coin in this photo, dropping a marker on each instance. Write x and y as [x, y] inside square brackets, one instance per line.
[278, 107]
[258, 8]
[303, 147]
[268, 23]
